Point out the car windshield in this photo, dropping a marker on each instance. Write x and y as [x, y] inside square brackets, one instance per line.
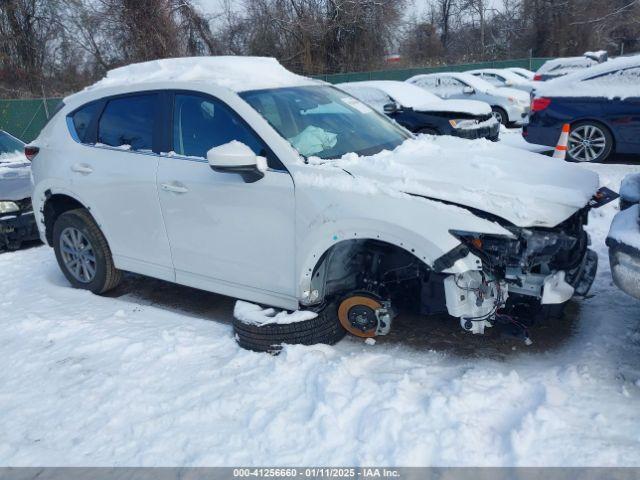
[325, 122]
[9, 144]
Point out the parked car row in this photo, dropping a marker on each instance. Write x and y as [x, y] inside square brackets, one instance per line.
[17, 224]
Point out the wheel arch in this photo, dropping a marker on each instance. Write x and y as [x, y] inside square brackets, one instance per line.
[601, 122]
[55, 204]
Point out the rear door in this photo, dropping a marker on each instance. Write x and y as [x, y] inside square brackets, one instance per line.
[226, 235]
[116, 177]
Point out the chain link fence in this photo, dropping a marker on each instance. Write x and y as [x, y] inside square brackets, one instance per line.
[532, 64]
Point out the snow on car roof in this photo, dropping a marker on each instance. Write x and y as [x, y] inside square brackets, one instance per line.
[559, 65]
[411, 96]
[469, 79]
[508, 74]
[596, 81]
[232, 72]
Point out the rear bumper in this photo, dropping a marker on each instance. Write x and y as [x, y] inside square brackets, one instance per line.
[518, 115]
[17, 229]
[540, 135]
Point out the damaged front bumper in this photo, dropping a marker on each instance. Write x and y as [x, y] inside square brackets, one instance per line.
[547, 266]
[16, 229]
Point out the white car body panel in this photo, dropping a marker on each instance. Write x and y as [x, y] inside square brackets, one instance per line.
[261, 241]
[515, 103]
[502, 78]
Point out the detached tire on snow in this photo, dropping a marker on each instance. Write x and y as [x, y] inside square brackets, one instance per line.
[325, 328]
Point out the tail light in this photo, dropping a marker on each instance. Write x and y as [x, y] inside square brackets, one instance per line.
[537, 77]
[31, 152]
[539, 104]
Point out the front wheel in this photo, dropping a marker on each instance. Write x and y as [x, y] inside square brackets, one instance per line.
[501, 115]
[589, 142]
[83, 253]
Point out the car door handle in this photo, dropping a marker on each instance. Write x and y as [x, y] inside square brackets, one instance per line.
[82, 168]
[173, 187]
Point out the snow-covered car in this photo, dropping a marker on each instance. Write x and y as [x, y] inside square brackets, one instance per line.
[559, 67]
[285, 191]
[510, 106]
[422, 112]
[624, 238]
[17, 223]
[523, 72]
[500, 78]
[601, 104]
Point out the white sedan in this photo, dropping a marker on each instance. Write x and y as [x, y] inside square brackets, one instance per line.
[510, 106]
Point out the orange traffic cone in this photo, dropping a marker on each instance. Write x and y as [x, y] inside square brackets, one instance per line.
[561, 149]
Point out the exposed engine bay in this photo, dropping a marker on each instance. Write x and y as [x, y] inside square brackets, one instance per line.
[532, 268]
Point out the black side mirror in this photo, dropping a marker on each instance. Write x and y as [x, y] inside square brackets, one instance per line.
[390, 108]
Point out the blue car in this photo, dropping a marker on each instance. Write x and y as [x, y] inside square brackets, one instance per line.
[602, 106]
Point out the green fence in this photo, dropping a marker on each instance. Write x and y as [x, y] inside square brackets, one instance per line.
[25, 118]
[402, 74]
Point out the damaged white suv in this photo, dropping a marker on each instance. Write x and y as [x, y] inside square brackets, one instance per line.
[236, 176]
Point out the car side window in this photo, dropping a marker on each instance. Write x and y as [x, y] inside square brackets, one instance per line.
[82, 119]
[428, 83]
[202, 123]
[493, 79]
[128, 122]
[450, 85]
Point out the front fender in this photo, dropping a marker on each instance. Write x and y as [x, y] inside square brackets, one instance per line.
[334, 207]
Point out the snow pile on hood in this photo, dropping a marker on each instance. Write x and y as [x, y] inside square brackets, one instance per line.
[625, 227]
[524, 188]
[232, 72]
[252, 314]
[608, 84]
[412, 96]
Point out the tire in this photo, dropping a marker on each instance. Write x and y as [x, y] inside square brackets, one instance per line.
[325, 328]
[95, 251]
[501, 115]
[600, 143]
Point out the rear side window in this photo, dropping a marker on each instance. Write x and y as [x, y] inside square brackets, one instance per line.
[128, 122]
[82, 118]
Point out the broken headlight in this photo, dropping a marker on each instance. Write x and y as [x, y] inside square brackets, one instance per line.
[493, 250]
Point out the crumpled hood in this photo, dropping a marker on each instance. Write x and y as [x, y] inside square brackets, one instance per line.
[527, 189]
[15, 178]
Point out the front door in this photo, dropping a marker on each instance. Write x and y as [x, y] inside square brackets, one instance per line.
[226, 235]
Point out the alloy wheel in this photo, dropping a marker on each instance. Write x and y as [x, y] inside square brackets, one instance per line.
[587, 143]
[78, 255]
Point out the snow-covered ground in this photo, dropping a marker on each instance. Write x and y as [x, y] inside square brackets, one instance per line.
[151, 375]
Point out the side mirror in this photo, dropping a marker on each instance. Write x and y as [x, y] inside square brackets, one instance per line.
[236, 157]
[390, 108]
[468, 91]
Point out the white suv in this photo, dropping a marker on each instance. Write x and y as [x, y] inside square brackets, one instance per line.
[236, 176]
